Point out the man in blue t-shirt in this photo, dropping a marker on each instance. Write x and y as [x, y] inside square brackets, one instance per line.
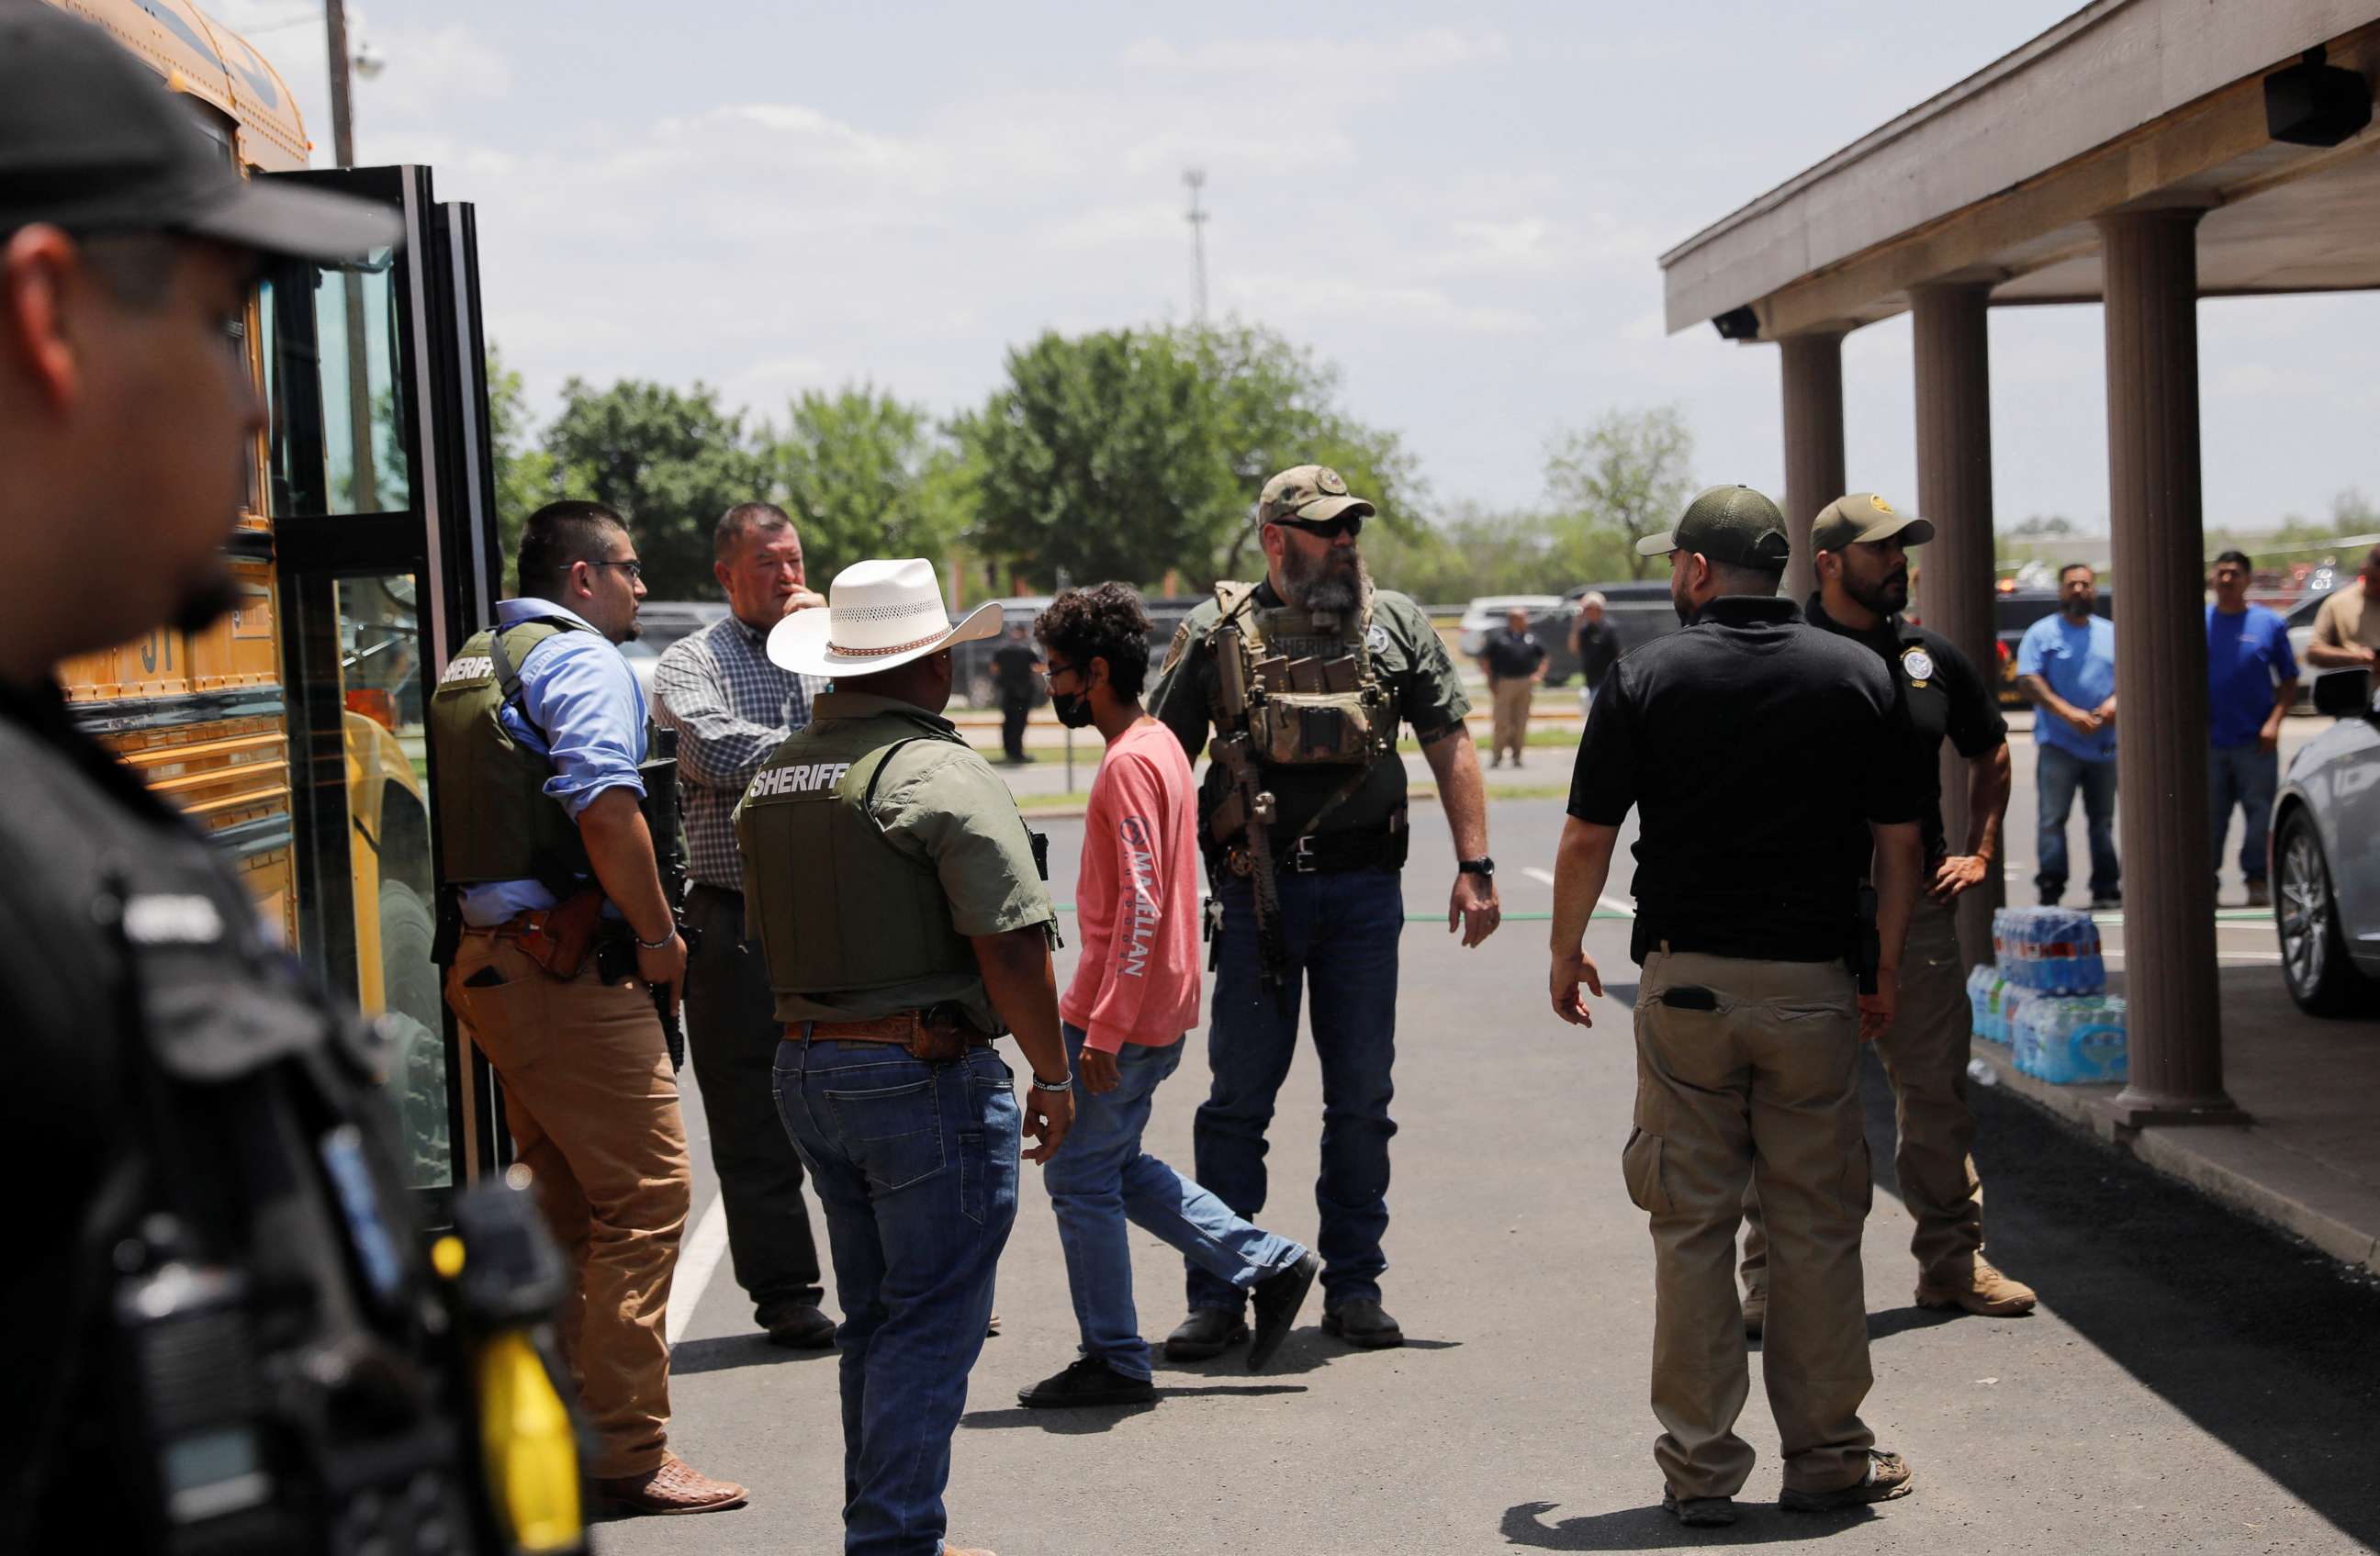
[2252, 677]
[2067, 666]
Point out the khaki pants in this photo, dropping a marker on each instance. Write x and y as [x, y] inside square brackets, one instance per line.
[592, 1104]
[1764, 1088]
[1925, 1054]
[1512, 694]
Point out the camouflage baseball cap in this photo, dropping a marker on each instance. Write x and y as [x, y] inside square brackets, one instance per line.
[1734, 525]
[1865, 516]
[1313, 493]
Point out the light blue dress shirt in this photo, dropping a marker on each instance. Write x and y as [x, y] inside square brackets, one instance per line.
[577, 689]
[2078, 660]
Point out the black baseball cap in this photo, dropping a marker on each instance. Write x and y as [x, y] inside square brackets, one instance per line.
[1732, 525]
[92, 142]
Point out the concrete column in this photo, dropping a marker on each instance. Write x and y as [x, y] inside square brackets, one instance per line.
[2151, 266]
[1813, 444]
[1955, 573]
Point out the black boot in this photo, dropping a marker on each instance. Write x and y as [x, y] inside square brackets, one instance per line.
[1278, 1298]
[1364, 1325]
[1087, 1382]
[1205, 1335]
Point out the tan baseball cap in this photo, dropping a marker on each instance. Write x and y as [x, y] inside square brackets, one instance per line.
[1863, 517]
[1310, 493]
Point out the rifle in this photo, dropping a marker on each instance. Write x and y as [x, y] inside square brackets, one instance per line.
[1247, 808]
[668, 828]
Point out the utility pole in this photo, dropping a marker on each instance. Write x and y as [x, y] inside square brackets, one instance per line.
[1196, 179]
[343, 118]
[363, 479]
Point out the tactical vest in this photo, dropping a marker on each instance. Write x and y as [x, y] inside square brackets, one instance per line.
[496, 821]
[835, 906]
[248, 1266]
[1312, 710]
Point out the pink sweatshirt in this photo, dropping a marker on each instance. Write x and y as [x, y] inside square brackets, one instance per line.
[1137, 902]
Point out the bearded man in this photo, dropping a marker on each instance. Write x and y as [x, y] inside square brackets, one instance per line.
[1862, 561]
[1301, 819]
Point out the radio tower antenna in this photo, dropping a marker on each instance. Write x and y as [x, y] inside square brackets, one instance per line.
[1196, 179]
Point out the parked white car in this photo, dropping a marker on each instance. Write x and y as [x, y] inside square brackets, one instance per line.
[1486, 613]
[2327, 854]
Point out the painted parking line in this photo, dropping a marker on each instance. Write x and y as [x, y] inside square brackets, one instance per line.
[696, 1265]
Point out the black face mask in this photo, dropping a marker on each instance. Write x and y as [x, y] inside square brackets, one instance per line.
[1072, 709]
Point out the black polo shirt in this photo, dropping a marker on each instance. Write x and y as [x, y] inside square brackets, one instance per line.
[1598, 650]
[1946, 699]
[1755, 749]
[1513, 655]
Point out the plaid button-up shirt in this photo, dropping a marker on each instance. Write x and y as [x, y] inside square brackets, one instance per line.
[730, 707]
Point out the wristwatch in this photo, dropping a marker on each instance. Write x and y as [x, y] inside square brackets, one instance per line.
[1482, 865]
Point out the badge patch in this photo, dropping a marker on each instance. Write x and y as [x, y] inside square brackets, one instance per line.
[1881, 505]
[1918, 665]
[1174, 650]
[1375, 638]
[1328, 481]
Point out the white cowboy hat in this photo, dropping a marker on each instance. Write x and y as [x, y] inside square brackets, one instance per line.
[879, 615]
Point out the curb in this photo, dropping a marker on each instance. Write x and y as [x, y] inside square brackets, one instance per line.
[2170, 1150]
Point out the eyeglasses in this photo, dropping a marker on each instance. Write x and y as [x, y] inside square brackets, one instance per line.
[1051, 670]
[1348, 524]
[634, 569]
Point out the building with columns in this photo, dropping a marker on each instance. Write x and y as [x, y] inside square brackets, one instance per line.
[2139, 155]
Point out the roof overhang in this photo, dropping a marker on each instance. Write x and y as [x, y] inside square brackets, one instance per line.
[2126, 102]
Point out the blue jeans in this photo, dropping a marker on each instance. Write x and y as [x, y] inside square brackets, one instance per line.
[1103, 1179]
[1340, 931]
[2245, 776]
[2058, 774]
[916, 1166]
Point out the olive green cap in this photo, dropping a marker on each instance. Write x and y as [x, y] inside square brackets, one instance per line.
[1311, 493]
[1864, 518]
[1734, 525]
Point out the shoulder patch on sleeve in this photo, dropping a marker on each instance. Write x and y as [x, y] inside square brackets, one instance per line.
[1179, 646]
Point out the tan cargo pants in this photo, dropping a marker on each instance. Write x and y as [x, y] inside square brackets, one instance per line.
[1763, 1088]
[1513, 694]
[592, 1104]
[1926, 1055]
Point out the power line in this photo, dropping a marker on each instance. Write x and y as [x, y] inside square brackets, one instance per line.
[1196, 179]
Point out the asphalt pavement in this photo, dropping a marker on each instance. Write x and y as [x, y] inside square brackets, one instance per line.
[2192, 1381]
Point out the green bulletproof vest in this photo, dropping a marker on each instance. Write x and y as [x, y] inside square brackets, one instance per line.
[835, 906]
[495, 821]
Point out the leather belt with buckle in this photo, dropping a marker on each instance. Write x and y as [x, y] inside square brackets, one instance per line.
[936, 1036]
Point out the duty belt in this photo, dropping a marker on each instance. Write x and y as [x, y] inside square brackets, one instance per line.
[1333, 854]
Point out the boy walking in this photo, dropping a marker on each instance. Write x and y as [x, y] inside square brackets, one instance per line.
[1134, 996]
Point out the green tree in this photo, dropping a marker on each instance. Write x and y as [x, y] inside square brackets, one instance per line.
[1278, 407]
[670, 462]
[1129, 453]
[524, 472]
[1625, 477]
[1099, 458]
[865, 475]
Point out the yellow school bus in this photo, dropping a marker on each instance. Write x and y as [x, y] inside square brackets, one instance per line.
[292, 730]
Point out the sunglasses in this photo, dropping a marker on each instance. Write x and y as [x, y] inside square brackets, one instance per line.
[1348, 524]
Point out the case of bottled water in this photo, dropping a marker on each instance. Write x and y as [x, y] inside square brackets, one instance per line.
[2049, 950]
[2070, 1039]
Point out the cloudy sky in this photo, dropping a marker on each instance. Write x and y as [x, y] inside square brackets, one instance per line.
[1463, 215]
